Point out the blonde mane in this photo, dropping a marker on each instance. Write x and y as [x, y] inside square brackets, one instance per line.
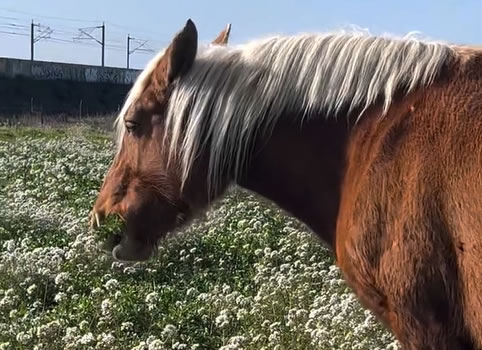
[233, 93]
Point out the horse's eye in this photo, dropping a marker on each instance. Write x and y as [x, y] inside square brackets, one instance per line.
[131, 125]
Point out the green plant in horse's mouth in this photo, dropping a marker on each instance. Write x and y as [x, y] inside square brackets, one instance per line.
[110, 232]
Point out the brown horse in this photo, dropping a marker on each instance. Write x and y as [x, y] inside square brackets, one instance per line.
[374, 142]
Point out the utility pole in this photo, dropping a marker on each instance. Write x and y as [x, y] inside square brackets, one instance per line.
[142, 46]
[128, 49]
[43, 34]
[85, 34]
[32, 26]
[103, 43]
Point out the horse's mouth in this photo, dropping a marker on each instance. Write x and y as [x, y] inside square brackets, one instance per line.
[108, 245]
[110, 241]
[119, 244]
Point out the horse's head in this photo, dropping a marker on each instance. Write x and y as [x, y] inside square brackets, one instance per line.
[143, 185]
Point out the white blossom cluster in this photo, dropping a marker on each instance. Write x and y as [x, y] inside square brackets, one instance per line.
[244, 276]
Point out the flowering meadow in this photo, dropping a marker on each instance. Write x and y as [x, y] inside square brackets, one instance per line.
[243, 276]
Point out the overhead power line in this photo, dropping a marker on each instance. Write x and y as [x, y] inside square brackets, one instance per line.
[47, 17]
[13, 33]
[42, 33]
[68, 34]
[85, 34]
[142, 46]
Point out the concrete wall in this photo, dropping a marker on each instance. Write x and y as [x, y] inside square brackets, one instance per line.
[53, 88]
[13, 68]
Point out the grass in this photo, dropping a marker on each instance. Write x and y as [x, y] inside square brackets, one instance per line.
[52, 132]
[246, 276]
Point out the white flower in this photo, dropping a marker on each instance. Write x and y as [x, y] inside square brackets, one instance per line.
[62, 278]
[31, 289]
[223, 319]
[258, 252]
[129, 270]
[106, 307]
[9, 245]
[169, 332]
[156, 345]
[151, 300]
[83, 325]
[242, 224]
[70, 336]
[141, 346]
[96, 292]
[7, 302]
[126, 326]
[59, 297]
[295, 292]
[274, 337]
[105, 340]
[48, 331]
[23, 338]
[191, 292]
[111, 285]
[203, 297]
[87, 339]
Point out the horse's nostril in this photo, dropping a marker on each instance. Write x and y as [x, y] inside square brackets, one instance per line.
[110, 243]
[180, 219]
[132, 252]
[117, 252]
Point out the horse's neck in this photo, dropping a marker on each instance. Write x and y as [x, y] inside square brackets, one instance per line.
[300, 168]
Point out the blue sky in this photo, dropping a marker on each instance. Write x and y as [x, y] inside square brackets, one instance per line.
[157, 20]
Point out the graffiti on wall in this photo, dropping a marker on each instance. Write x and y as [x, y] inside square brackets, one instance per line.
[130, 76]
[91, 75]
[110, 75]
[11, 68]
[47, 71]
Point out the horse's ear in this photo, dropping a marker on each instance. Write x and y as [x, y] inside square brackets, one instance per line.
[223, 37]
[182, 51]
